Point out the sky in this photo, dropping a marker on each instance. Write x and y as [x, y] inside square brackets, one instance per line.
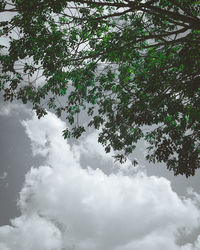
[57, 194]
[72, 196]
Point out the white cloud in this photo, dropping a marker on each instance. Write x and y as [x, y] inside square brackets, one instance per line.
[90, 147]
[85, 209]
[7, 109]
[45, 135]
[3, 176]
[194, 246]
[30, 233]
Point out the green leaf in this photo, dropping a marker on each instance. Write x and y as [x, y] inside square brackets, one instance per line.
[95, 60]
[132, 130]
[114, 88]
[187, 118]
[63, 91]
[66, 134]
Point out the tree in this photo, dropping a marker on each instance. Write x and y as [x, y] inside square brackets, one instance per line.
[126, 63]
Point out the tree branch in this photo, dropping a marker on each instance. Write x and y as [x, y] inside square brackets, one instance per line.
[99, 18]
[175, 16]
[118, 5]
[9, 10]
[184, 9]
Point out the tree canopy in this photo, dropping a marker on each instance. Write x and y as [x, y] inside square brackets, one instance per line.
[127, 63]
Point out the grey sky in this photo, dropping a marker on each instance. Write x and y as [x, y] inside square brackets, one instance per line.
[81, 207]
[16, 159]
[87, 201]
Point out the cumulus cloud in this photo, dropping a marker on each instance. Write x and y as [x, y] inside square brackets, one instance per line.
[3, 176]
[67, 207]
[30, 233]
[89, 147]
[8, 109]
[194, 246]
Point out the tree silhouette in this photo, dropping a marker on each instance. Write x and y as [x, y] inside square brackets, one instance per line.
[126, 63]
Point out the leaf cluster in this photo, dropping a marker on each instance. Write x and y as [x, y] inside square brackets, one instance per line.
[127, 64]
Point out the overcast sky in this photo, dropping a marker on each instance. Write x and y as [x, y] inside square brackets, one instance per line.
[60, 195]
[72, 196]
